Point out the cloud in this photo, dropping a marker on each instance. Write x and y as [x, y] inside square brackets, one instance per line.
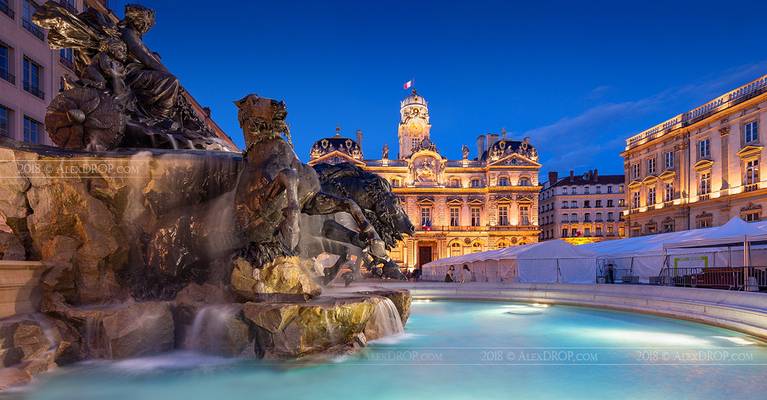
[596, 137]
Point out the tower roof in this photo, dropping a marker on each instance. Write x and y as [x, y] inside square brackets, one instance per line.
[414, 99]
[339, 143]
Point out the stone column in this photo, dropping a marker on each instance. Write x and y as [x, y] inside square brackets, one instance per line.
[725, 136]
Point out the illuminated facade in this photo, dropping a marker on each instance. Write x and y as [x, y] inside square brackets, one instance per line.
[458, 206]
[582, 209]
[699, 168]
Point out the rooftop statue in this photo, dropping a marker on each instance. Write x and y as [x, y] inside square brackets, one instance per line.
[123, 96]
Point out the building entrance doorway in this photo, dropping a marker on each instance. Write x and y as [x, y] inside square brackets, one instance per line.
[424, 254]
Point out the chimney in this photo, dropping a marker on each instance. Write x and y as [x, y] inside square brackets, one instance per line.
[553, 176]
[572, 176]
[480, 146]
[359, 138]
[492, 138]
[595, 175]
[503, 133]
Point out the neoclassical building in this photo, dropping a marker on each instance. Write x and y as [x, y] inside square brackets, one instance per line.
[459, 206]
[699, 168]
[582, 208]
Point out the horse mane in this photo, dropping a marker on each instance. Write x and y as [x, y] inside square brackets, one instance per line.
[375, 185]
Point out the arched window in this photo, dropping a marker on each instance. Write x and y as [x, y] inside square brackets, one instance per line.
[476, 247]
[503, 181]
[525, 181]
[455, 249]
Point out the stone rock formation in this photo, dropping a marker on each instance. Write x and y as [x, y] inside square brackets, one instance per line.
[285, 278]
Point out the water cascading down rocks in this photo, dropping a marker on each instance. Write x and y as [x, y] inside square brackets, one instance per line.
[156, 234]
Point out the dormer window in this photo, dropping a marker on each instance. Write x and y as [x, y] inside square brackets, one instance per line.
[503, 181]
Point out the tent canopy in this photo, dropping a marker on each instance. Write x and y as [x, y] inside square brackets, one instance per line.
[551, 249]
[734, 232]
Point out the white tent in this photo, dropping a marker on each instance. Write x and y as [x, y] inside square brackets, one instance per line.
[545, 262]
[646, 256]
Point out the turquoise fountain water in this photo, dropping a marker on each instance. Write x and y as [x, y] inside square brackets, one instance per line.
[462, 350]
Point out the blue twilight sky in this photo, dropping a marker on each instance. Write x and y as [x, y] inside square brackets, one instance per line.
[578, 77]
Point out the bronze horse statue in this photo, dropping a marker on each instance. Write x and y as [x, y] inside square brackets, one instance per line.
[275, 187]
[329, 234]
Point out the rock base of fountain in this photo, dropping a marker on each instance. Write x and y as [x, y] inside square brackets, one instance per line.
[140, 260]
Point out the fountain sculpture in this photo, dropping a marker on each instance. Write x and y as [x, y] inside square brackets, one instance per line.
[156, 234]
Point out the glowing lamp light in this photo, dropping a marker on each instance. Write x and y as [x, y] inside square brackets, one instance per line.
[646, 337]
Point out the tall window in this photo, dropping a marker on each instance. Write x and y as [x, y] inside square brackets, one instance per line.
[586, 203]
[634, 171]
[33, 78]
[564, 204]
[503, 215]
[564, 232]
[610, 216]
[475, 182]
[5, 63]
[564, 190]
[668, 160]
[598, 203]
[651, 165]
[503, 181]
[67, 57]
[525, 181]
[751, 132]
[752, 174]
[455, 216]
[609, 189]
[475, 215]
[705, 183]
[573, 204]
[599, 189]
[635, 199]
[704, 149]
[586, 190]
[29, 8]
[32, 130]
[599, 217]
[587, 217]
[668, 191]
[455, 182]
[524, 215]
[650, 196]
[6, 8]
[564, 218]
[609, 203]
[5, 121]
[573, 217]
[426, 216]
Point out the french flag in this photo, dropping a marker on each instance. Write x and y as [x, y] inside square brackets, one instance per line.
[408, 85]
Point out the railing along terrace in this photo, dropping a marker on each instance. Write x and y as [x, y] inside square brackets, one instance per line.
[729, 278]
[724, 101]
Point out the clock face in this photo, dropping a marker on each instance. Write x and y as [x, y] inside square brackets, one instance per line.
[415, 128]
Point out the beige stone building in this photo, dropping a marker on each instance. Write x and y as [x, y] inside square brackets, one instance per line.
[458, 206]
[31, 74]
[582, 208]
[699, 168]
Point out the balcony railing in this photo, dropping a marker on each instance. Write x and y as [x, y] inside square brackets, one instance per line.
[34, 90]
[6, 75]
[722, 102]
[6, 9]
[33, 29]
[750, 187]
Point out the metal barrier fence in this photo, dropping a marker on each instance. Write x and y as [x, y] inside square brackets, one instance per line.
[729, 278]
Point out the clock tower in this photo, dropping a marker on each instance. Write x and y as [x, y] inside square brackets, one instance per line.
[414, 124]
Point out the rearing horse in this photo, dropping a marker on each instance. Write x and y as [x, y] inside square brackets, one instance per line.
[275, 187]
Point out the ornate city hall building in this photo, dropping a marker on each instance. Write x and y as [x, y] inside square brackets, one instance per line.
[699, 168]
[458, 206]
